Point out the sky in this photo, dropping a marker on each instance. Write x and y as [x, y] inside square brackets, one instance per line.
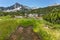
[30, 3]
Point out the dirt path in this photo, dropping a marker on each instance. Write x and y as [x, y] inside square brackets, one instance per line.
[24, 34]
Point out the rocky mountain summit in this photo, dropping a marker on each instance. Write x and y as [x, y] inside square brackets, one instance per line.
[14, 7]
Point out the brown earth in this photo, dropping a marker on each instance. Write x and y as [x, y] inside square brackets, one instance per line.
[24, 34]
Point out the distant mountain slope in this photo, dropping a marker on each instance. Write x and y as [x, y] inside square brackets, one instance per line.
[14, 7]
[46, 9]
[20, 7]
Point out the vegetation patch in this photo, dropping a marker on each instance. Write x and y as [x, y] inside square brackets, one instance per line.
[39, 26]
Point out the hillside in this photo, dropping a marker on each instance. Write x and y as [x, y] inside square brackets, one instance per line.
[21, 9]
[45, 10]
[22, 28]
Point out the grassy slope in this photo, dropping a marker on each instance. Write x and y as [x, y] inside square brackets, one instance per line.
[8, 26]
[45, 32]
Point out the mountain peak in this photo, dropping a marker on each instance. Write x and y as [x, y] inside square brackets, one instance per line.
[17, 3]
[15, 7]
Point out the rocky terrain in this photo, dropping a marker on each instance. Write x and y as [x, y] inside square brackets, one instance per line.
[24, 34]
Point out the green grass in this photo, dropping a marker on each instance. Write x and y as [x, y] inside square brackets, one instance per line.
[46, 33]
[6, 28]
[39, 26]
